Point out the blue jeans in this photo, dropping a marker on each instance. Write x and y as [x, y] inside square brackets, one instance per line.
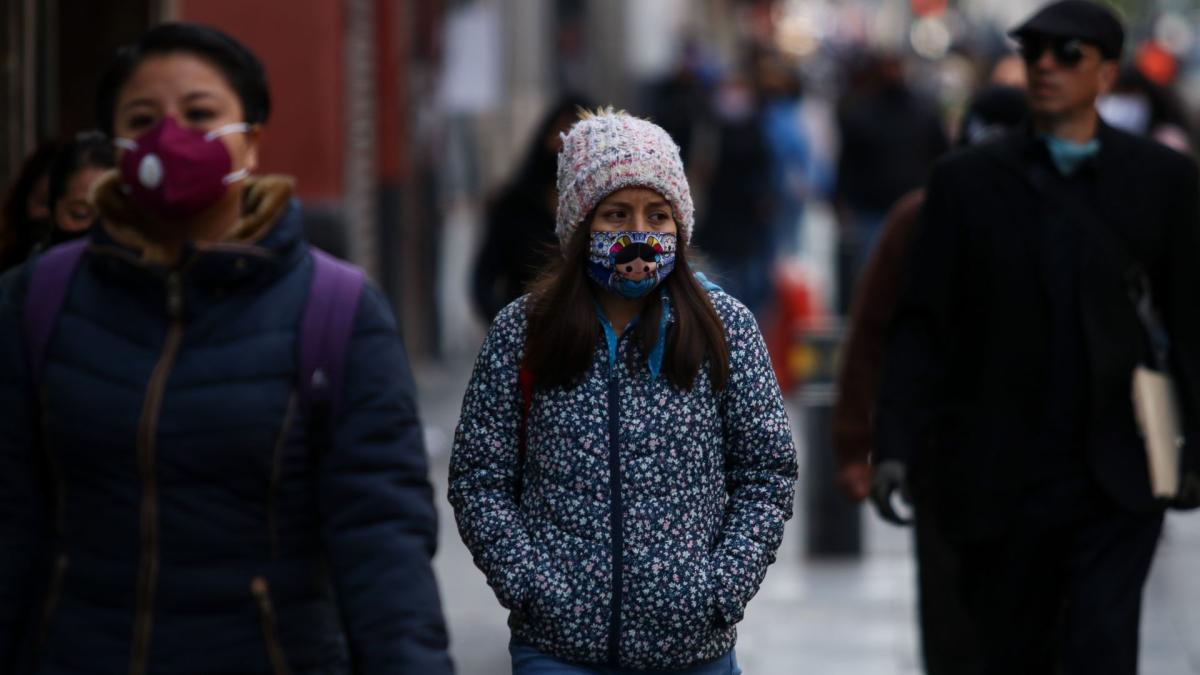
[528, 661]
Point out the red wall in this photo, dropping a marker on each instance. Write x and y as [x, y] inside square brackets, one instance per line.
[301, 45]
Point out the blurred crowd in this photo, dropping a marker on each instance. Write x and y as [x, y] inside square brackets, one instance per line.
[765, 133]
[768, 135]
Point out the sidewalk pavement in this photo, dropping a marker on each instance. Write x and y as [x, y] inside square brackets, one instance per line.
[853, 616]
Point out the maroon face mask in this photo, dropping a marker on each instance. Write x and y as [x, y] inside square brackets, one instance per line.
[173, 172]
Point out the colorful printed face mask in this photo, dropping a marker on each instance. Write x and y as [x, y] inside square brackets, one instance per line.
[174, 172]
[630, 264]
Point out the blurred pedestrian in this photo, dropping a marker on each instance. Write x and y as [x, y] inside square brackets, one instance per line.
[519, 239]
[623, 466]
[200, 484]
[1007, 375]
[890, 137]
[787, 141]
[78, 165]
[948, 643]
[1008, 71]
[681, 102]
[26, 216]
[740, 191]
[1144, 108]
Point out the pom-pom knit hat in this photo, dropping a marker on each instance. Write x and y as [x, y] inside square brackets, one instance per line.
[609, 150]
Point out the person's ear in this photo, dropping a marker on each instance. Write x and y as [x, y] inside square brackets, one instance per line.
[250, 159]
[1107, 75]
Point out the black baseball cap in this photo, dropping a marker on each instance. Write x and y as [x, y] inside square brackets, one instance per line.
[1080, 19]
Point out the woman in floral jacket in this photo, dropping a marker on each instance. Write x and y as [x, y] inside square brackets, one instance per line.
[626, 509]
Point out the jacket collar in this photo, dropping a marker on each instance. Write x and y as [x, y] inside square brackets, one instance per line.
[1109, 170]
[267, 237]
[655, 358]
[1023, 146]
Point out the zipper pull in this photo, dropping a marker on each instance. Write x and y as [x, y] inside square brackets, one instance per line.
[262, 593]
[174, 295]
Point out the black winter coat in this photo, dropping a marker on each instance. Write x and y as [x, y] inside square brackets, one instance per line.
[970, 357]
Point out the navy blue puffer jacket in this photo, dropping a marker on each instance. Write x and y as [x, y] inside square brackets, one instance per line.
[166, 514]
[648, 514]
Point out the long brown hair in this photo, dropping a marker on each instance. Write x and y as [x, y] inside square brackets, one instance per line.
[563, 325]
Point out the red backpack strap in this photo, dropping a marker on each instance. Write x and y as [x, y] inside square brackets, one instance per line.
[48, 285]
[526, 381]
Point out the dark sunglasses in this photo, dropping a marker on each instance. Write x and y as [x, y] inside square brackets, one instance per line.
[1067, 52]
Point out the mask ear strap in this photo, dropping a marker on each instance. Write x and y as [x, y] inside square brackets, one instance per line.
[234, 177]
[233, 128]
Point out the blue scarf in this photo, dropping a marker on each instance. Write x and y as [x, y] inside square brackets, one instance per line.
[1068, 155]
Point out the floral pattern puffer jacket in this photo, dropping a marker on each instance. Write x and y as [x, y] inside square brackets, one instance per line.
[648, 514]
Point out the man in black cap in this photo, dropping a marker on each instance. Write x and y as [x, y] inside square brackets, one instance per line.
[1008, 371]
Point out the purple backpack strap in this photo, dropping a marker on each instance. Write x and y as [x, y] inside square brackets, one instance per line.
[325, 331]
[48, 285]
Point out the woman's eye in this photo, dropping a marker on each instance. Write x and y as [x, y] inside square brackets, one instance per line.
[615, 215]
[200, 115]
[140, 121]
[80, 215]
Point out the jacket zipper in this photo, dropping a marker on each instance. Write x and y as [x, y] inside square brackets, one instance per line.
[266, 613]
[52, 594]
[147, 432]
[55, 468]
[61, 561]
[276, 476]
[618, 531]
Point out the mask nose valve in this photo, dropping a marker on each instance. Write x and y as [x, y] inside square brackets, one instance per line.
[150, 171]
[175, 172]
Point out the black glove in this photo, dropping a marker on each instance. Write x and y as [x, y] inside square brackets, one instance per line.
[1189, 492]
[887, 478]
[1189, 481]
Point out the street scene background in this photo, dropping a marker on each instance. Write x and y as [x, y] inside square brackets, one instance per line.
[403, 120]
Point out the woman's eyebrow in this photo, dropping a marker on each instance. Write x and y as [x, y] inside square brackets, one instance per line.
[138, 101]
[192, 96]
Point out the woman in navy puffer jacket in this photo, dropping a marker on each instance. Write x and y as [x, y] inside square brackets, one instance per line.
[164, 507]
[623, 467]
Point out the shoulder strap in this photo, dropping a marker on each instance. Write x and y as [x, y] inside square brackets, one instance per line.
[1136, 278]
[48, 285]
[326, 327]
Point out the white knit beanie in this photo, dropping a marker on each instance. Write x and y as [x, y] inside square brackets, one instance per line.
[609, 150]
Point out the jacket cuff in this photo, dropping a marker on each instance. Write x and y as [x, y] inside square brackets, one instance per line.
[729, 607]
[514, 586]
